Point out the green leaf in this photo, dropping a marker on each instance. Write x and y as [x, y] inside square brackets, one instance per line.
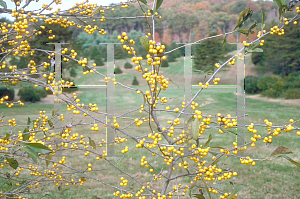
[55, 111]
[31, 153]
[145, 42]
[190, 192]
[96, 10]
[263, 17]
[144, 96]
[48, 157]
[25, 136]
[28, 121]
[191, 119]
[158, 3]
[143, 1]
[290, 159]
[199, 196]
[279, 2]
[94, 197]
[12, 163]
[169, 79]
[195, 129]
[253, 26]
[151, 11]
[213, 153]
[119, 163]
[281, 150]
[45, 196]
[50, 123]
[209, 72]
[7, 135]
[216, 162]
[204, 104]
[243, 17]
[258, 50]
[193, 185]
[3, 4]
[243, 31]
[206, 187]
[217, 147]
[235, 190]
[59, 187]
[254, 45]
[37, 147]
[208, 141]
[240, 20]
[92, 143]
[224, 40]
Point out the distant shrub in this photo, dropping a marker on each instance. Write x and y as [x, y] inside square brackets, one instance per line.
[42, 92]
[271, 85]
[135, 81]
[251, 84]
[29, 94]
[292, 80]
[71, 89]
[73, 72]
[127, 65]
[164, 63]
[7, 92]
[292, 93]
[118, 70]
[171, 57]
[98, 61]
[256, 58]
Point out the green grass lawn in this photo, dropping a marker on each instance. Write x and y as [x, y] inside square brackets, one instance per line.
[268, 179]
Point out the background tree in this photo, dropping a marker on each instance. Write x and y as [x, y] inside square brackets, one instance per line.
[281, 56]
[205, 56]
[59, 148]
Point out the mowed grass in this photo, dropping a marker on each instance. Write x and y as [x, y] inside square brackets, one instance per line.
[267, 179]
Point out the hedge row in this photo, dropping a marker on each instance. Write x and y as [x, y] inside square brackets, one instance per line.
[274, 85]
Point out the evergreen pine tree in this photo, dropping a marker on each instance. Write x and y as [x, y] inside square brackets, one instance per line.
[73, 72]
[208, 53]
[135, 81]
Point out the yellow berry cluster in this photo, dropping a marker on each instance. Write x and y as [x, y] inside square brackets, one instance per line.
[247, 161]
[204, 86]
[157, 50]
[2, 99]
[95, 127]
[156, 138]
[240, 56]
[275, 29]
[216, 80]
[231, 62]
[123, 38]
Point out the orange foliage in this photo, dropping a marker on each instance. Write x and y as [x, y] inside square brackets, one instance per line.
[186, 9]
[176, 38]
[231, 38]
[198, 37]
[200, 5]
[253, 36]
[267, 6]
[242, 38]
[166, 38]
[253, 7]
[157, 37]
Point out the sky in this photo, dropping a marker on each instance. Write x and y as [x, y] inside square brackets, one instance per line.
[65, 4]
